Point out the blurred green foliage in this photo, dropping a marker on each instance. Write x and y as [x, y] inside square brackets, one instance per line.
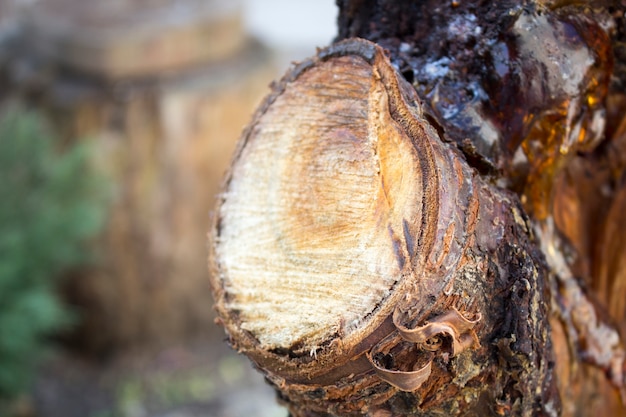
[51, 203]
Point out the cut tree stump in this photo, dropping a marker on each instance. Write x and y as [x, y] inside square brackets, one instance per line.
[367, 267]
[399, 233]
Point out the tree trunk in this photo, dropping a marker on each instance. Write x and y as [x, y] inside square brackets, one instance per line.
[399, 256]
[162, 89]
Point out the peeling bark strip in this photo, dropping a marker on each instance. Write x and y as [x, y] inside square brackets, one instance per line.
[364, 267]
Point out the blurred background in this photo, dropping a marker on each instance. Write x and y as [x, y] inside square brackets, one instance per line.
[117, 121]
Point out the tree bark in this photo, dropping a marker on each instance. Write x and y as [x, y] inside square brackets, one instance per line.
[399, 256]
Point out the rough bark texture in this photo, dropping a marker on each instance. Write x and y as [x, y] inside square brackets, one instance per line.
[547, 79]
[485, 313]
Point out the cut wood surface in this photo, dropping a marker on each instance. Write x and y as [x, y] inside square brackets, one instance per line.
[333, 204]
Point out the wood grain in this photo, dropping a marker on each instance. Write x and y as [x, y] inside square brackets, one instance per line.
[346, 226]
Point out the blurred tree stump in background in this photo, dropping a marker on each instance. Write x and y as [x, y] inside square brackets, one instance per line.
[164, 88]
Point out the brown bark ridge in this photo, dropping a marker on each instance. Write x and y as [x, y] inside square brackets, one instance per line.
[589, 212]
[365, 267]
